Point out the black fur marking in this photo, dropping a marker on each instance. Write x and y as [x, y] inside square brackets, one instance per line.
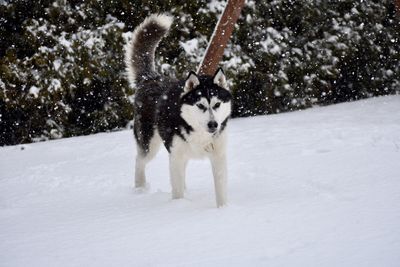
[206, 89]
[223, 125]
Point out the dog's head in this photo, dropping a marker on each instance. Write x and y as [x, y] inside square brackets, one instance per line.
[206, 102]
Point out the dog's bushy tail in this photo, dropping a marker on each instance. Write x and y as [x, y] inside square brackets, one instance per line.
[139, 56]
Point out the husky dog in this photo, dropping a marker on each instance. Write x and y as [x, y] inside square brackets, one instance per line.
[188, 116]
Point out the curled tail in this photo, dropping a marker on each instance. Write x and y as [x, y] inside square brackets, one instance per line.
[139, 56]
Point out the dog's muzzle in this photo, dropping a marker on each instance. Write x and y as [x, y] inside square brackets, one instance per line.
[212, 126]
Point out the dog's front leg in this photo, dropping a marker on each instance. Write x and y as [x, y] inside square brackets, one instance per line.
[177, 166]
[218, 162]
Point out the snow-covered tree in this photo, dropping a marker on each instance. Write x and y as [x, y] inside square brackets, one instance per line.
[62, 72]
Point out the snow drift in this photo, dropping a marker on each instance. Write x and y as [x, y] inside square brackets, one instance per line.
[319, 187]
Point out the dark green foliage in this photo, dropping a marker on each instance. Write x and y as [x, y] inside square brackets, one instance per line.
[62, 69]
[318, 52]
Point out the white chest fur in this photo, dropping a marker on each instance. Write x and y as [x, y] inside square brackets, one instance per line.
[196, 144]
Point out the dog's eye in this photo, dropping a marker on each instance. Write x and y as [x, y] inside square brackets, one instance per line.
[217, 105]
[202, 107]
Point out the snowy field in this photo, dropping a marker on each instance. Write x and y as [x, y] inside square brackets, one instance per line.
[319, 187]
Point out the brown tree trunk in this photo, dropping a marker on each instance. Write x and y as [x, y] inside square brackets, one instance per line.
[220, 37]
[397, 5]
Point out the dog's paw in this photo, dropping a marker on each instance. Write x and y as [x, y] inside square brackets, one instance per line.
[141, 189]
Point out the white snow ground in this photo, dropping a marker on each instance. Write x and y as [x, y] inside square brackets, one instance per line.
[319, 187]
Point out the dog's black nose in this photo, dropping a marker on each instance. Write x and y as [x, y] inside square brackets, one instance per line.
[212, 126]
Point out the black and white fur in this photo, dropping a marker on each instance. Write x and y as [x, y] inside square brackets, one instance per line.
[189, 116]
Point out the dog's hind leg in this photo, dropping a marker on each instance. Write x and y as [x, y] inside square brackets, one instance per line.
[140, 166]
[143, 157]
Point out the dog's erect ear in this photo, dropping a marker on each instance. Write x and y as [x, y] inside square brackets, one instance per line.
[192, 82]
[220, 79]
